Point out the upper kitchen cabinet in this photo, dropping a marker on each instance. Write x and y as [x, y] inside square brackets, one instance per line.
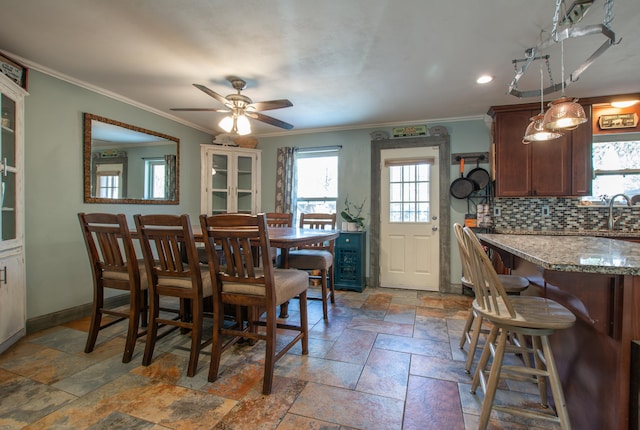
[559, 167]
[229, 179]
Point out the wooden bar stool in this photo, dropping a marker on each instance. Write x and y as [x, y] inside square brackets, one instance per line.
[536, 317]
[114, 265]
[512, 284]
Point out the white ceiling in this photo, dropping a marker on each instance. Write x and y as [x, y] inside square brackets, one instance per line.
[343, 63]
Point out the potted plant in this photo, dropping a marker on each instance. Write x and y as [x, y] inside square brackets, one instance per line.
[352, 214]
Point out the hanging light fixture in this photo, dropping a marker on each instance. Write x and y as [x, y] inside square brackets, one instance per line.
[564, 113]
[536, 132]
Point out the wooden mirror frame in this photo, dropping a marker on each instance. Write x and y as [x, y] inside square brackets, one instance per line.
[88, 198]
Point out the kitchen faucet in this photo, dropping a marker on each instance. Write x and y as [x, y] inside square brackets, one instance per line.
[612, 220]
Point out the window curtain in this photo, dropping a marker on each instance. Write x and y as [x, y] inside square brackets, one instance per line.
[170, 177]
[285, 179]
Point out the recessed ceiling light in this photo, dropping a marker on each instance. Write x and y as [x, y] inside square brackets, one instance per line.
[624, 104]
[484, 79]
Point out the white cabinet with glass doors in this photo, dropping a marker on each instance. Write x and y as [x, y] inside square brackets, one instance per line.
[230, 179]
[12, 276]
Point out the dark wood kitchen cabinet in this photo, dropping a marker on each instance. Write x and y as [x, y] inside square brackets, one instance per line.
[559, 167]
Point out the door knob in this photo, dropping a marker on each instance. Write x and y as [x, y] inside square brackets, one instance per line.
[434, 228]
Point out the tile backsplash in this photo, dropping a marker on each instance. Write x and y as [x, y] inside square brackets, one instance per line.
[564, 214]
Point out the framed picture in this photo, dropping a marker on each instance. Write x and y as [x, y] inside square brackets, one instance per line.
[14, 70]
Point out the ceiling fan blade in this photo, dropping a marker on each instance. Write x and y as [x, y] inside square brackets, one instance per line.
[200, 109]
[213, 94]
[269, 105]
[269, 120]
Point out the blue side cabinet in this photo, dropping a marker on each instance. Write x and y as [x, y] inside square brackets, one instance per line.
[349, 261]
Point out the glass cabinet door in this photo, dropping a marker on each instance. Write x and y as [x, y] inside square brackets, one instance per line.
[219, 183]
[244, 182]
[8, 169]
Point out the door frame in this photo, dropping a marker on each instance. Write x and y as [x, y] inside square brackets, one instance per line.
[377, 146]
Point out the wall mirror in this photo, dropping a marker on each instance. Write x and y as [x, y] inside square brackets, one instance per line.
[128, 164]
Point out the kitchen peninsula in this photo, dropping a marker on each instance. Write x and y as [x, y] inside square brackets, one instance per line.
[598, 279]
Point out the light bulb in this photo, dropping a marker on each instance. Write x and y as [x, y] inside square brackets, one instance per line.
[243, 125]
[226, 124]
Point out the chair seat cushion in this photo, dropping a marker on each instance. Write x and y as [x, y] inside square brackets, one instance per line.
[124, 276]
[207, 288]
[307, 259]
[288, 283]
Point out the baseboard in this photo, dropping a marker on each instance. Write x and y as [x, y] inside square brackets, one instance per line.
[13, 339]
[71, 314]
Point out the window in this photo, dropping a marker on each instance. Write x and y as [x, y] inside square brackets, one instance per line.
[109, 180]
[409, 192]
[108, 185]
[316, 181]
[154, 179]
[616, 167]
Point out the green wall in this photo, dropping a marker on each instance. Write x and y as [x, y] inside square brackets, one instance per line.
[58, 275]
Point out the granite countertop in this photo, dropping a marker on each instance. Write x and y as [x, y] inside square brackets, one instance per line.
[571, 253]
[595, 233]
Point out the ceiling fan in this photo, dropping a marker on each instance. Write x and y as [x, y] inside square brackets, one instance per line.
[240, 107]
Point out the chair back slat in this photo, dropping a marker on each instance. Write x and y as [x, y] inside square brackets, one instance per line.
[168, 247]
[244, 242]
[322, 221]
[279, 219]
[464, 252]
[493, 297]
[109, 243]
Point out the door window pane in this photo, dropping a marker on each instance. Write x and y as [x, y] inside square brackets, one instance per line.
[409, 193]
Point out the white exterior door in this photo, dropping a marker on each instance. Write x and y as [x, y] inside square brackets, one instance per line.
[409, 202]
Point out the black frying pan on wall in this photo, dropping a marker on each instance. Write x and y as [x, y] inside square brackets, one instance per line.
[479, 176]
[462, 187]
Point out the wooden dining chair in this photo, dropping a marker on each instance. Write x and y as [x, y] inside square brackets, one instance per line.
[318, 256]
[114, 265]
[256, 284]
[279, 219]
[167, 242]
[535, 317]
[473, 327]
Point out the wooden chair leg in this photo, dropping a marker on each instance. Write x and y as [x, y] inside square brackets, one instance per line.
[473, 344]
[132, 333]
[323, 286]
[556, 387]
[484, 358]
[196, 336]
[96, 320]
[331, 285]
[494, 377]
[467, 328]
[152, 330]
[304, 324]
[542, 380]
[269, 360]
[216, 346]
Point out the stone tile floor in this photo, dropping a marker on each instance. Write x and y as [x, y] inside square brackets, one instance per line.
[386, 359]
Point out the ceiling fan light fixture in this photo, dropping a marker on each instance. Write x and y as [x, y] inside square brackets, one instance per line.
[243, 125]
[226, 124]
[564, 114]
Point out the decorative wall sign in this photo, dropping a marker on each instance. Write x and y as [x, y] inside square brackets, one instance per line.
[15, 71]
[622, 120]
[416, 130]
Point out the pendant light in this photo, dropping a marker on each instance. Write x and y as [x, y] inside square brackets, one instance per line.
[564, 113]
[536, 132]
